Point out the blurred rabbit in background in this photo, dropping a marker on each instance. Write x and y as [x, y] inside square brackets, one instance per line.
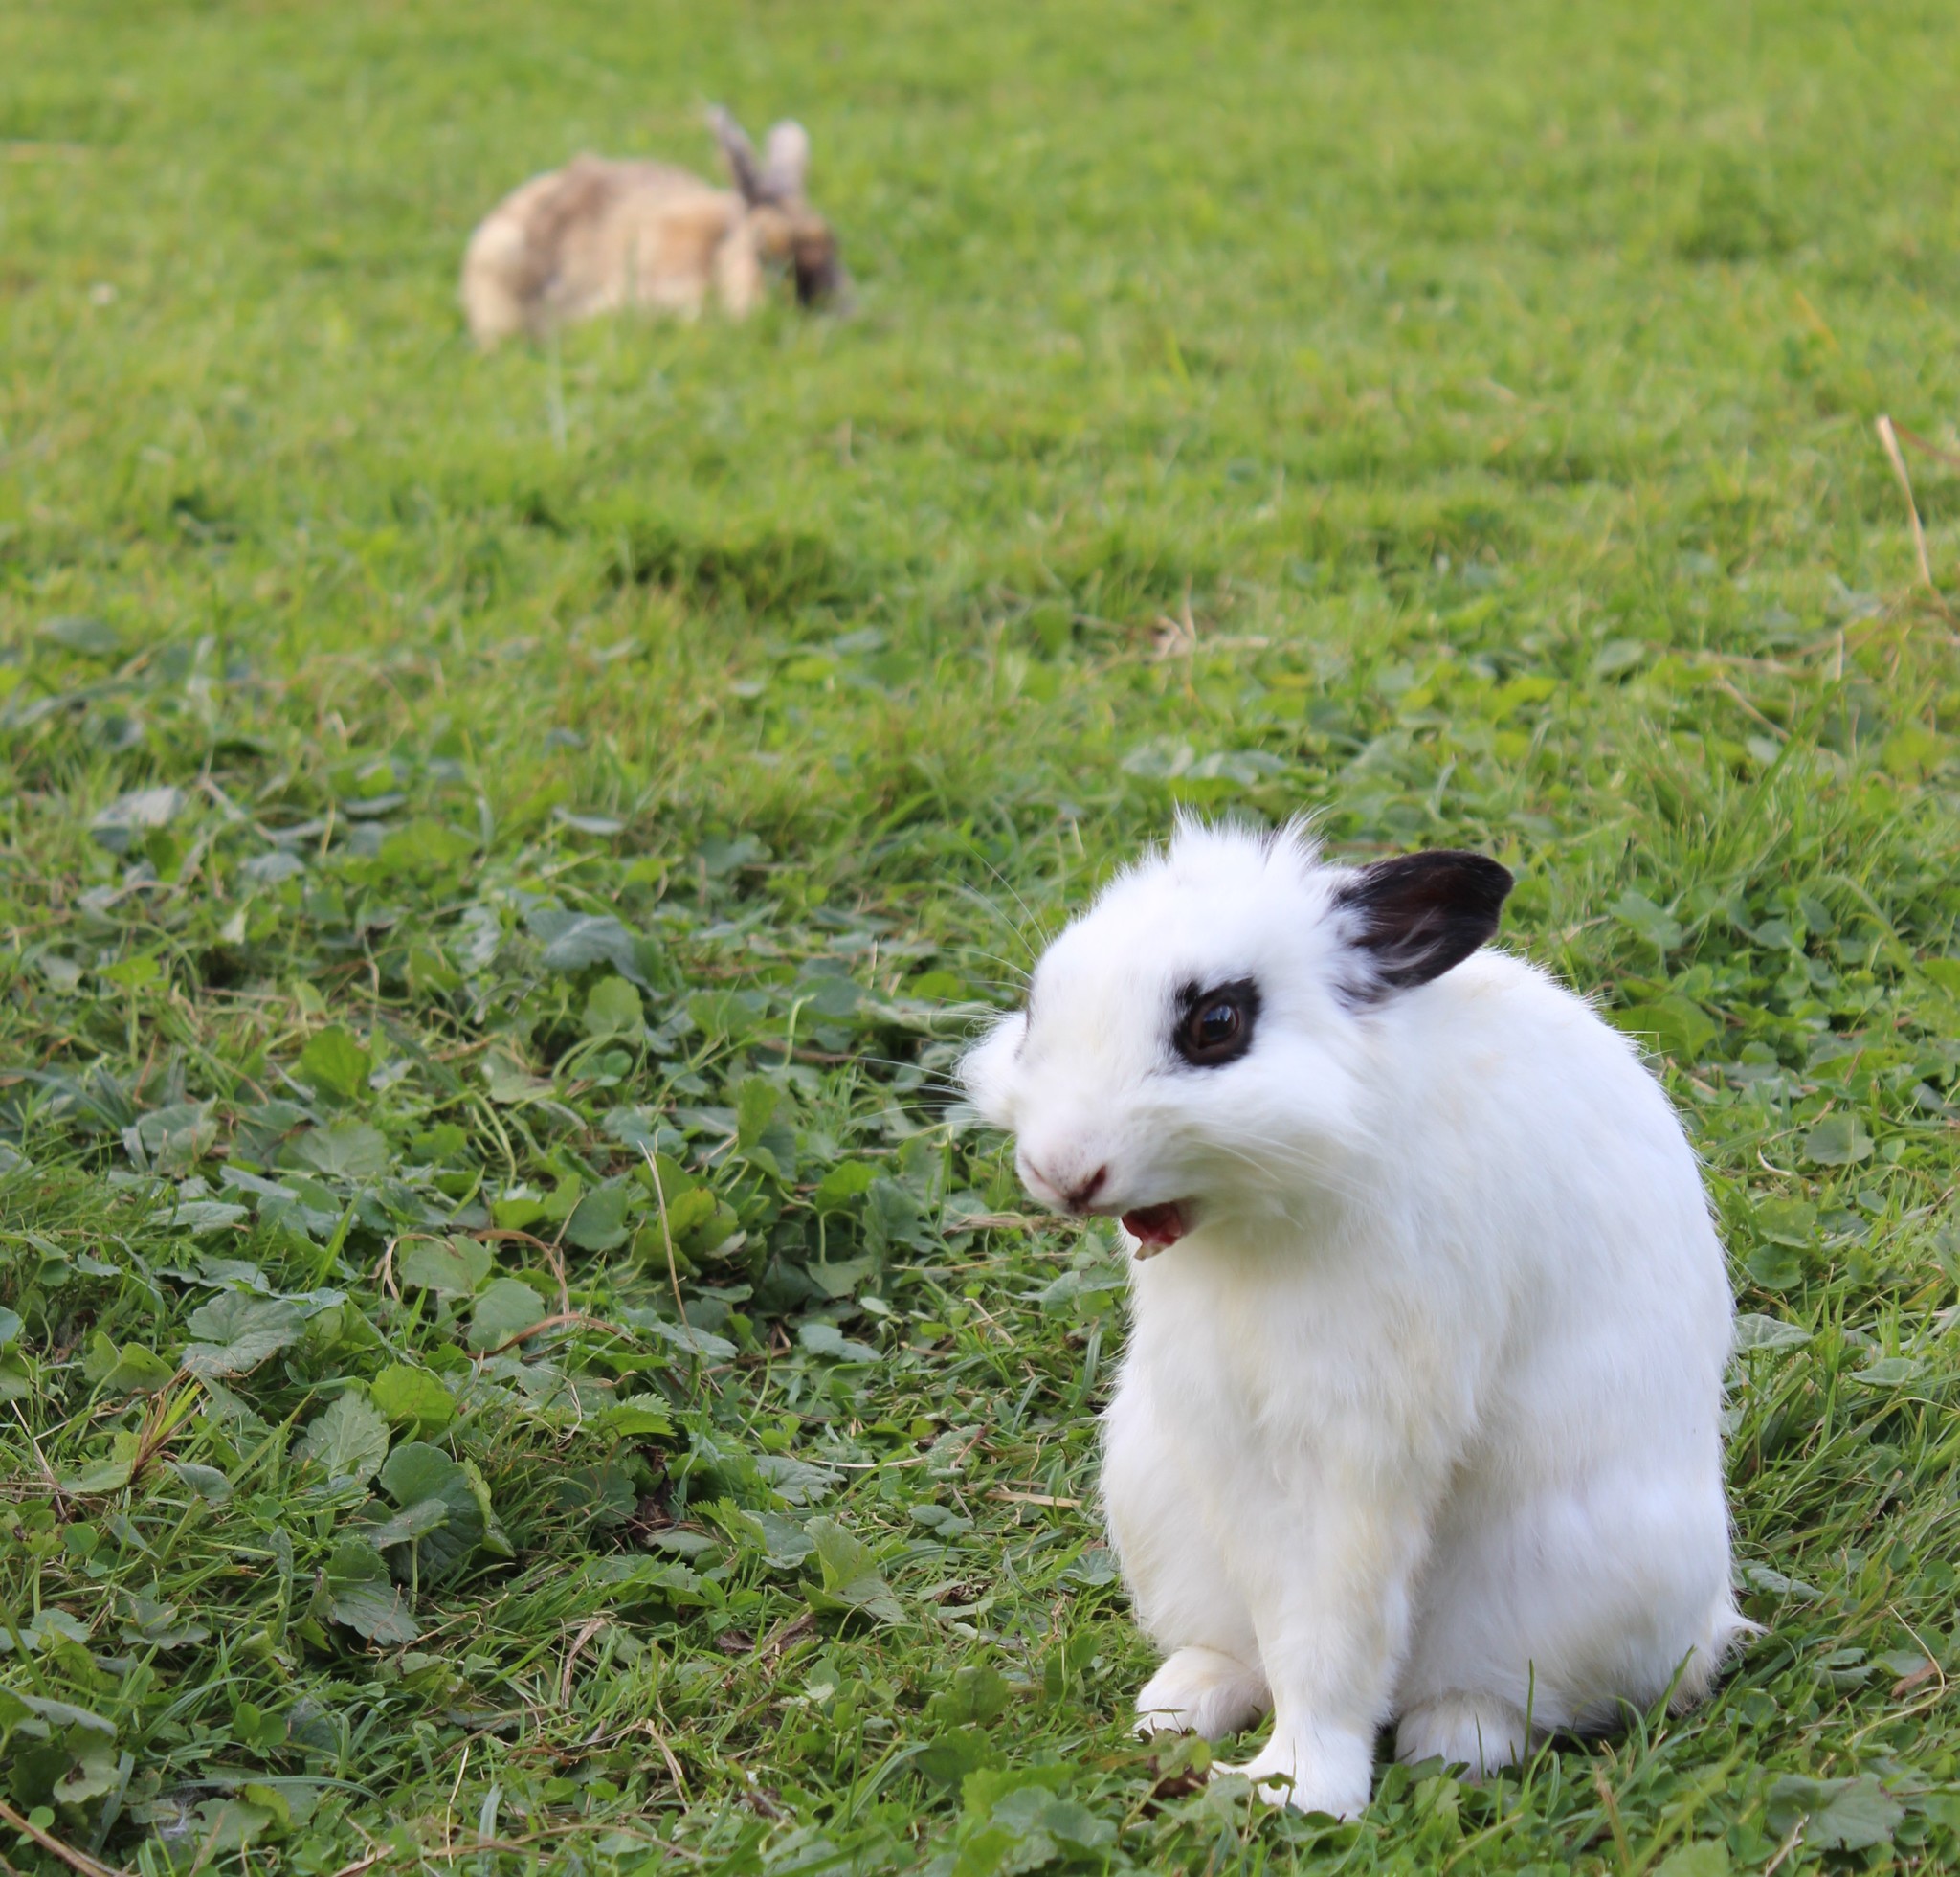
[599, 235]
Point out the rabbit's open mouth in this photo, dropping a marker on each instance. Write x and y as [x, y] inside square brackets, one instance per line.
[1154, 1228]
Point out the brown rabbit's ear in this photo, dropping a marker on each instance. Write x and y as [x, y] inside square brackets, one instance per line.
[738, 153]
[785, 161]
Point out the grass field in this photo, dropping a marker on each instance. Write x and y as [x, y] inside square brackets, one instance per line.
[440, 783]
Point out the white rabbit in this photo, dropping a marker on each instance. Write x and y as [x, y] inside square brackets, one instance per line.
[599, 235]
[1420, 1415]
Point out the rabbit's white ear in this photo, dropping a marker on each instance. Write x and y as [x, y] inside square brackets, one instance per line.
[738, 153]
[1422, 914]
[786, 161]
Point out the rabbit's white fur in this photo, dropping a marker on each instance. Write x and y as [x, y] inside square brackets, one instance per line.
[1420, 1420]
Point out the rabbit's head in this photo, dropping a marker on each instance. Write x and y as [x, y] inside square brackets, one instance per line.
[787, 232]
[1196, 1045]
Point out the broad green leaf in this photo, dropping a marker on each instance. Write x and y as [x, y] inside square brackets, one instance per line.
[50, 1626]
[411, 1522]
[348, 1440]
[131, 1369]
[892, 1218]
[795, 1482]
[1661, 928]
[265, 1797]
[1039, 1820]
[132, 973]
[1676, 1026]
[1912, 753]
[976, 1694]
[356, 1591]
[725, 1013]
[1070, 1288]
[126, 819]
[10, 1325]
[841, 1278]
[223, 1825]
[843, 1183]
[517, 1213]
[431, 975]
[614, 1009]
[63, 1714]
[494, 1538]
[834, 999]
[631, 1580]
[827, 1339]
[755, 1108]
[850, 1576]
[639, 1128]
[206, 1215]
[1889, 1372]
[1943, 972]
[507, 1307]
[598, 1221]
[983, 1792]
[950, 1757]
[680, 1335]
[574, 940]
[1838, 1815]
[407, 1396]
[335, 1064]
[1775, 1268]
[92, 638]
[781, 1541]
[138, 1371]
[452, 1267]
[236, 1333]
[596, 1496]
[348, 1150]
[1763, 1577]
[1769, 1333]
[170, 1141]
[1786, 1222]
[636, 1419]
[1838, 1140]
[512, 1085]
[416, 1472]
[564, 1197]
[698, 1219]
[206, 1481]
[840, 1552]
[424, 849]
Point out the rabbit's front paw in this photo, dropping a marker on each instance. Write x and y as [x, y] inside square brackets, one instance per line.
[1332, 1776]
[1200, 1690]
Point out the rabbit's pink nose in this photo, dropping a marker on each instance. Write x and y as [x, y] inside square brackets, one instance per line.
[1074, 1198]
[1080, 1194]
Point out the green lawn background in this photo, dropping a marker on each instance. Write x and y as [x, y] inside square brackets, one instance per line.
[438, 779]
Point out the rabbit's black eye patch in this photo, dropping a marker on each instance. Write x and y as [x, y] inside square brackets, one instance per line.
[1214, 1026]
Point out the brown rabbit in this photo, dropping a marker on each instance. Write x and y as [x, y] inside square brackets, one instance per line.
[597, 236]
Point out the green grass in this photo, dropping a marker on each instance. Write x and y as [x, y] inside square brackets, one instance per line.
[435, 779]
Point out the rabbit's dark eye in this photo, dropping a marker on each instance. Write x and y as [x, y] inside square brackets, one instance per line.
[1216, 1026]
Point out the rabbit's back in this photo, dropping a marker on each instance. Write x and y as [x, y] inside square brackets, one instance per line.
[591, 236]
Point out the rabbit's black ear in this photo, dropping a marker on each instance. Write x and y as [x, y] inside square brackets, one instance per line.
[738, 152]
[1422, 914]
